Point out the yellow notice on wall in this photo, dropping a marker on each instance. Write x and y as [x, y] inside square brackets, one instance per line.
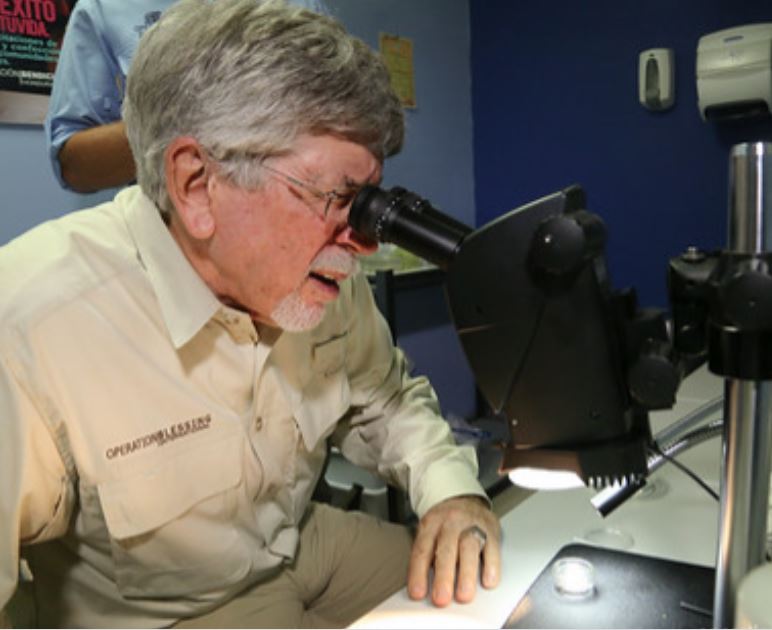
[398, 54]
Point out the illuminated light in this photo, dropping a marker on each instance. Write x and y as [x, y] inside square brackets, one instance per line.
[574, 578]
[543, 479]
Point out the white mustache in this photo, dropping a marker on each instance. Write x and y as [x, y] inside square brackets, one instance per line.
[335, 259]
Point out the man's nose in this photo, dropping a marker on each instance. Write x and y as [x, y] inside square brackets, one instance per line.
[355, 242]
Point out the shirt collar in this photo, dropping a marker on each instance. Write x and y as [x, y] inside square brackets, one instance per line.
[185, 300]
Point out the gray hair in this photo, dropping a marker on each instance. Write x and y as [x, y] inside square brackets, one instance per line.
[246, 78]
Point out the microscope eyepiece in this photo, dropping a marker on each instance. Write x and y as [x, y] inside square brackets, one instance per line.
[401, 217]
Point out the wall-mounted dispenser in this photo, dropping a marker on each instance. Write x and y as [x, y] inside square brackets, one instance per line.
[734, 73]
[656, 78]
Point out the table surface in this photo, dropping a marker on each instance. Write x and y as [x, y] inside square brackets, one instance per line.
[671, 518]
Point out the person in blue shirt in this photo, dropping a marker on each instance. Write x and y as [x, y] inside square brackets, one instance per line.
[85, 135]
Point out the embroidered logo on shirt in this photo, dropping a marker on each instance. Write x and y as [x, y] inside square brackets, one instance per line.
[160, 437]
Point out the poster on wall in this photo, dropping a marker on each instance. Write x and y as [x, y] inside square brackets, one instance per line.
[31, 33]
[398, 55]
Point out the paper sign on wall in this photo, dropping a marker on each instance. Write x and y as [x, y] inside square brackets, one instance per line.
[398, 54]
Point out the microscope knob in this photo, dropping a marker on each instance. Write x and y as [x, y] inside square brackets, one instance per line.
[746, 300]
[653, 381]
[558, 246]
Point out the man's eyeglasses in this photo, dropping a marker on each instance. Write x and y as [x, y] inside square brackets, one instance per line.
[336, 203]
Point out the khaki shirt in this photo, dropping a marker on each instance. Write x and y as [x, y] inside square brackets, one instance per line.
[158, 450]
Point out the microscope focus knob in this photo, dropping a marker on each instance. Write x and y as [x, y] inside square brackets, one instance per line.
[653, 381]
[562, 244]
[747, 300]
[558, 246]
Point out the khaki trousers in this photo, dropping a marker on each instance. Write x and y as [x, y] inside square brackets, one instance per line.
[346, 564]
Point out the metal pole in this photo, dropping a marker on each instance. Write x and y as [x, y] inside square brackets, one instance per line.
[747, 432]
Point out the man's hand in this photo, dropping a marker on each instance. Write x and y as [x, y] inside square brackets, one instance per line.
[453, 536]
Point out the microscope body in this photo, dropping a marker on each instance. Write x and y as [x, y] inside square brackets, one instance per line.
[545, 336]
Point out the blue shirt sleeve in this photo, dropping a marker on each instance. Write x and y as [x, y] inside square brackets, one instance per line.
[88, 83]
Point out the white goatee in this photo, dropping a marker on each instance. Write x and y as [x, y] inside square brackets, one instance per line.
[292, 313]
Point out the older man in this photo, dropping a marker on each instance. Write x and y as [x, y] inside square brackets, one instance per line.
[174, 363]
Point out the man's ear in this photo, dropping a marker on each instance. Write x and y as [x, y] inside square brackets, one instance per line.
[187, 182]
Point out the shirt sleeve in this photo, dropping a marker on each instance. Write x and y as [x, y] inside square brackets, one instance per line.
[396, 428]
[88, 82]
[36, 494]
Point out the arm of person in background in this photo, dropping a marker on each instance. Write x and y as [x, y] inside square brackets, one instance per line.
[36, 492]
[396, 430]
[87, 145]
[97, 158]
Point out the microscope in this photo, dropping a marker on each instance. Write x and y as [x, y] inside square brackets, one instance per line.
[574, 366]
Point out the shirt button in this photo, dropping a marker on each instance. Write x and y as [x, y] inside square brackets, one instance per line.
[258, 423]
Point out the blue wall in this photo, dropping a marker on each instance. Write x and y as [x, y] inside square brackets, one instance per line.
[30, 193]
[436, 161]
[555, 102]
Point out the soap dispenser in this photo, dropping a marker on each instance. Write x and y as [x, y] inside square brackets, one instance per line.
[656, 79]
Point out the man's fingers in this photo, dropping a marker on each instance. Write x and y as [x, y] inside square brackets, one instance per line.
[455, 538]
[421, 559]
[491, 557]
[445, 560]
[470, 544]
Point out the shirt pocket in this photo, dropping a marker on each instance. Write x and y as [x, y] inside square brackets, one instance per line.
[172, 528]
[326, 396]
[328, 357]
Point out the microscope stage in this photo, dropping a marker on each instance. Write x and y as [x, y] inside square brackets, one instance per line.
[628, 591]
